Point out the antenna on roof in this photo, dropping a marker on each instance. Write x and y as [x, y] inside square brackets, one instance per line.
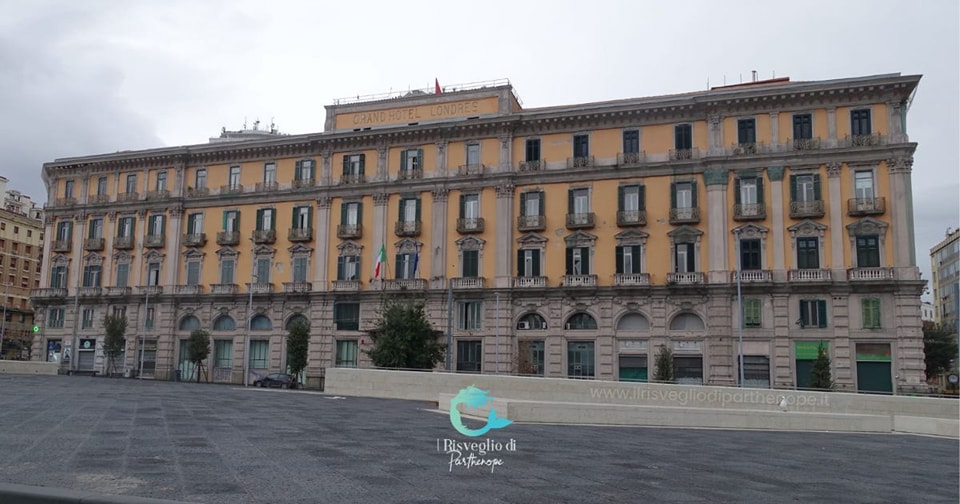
[754, 75]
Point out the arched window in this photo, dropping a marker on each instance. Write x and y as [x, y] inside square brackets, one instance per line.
[686, 322]
[224, 323]
[633, 322]
[189, 323]
[294, 319]
[581, 321]
[261, 323]
[532, 321]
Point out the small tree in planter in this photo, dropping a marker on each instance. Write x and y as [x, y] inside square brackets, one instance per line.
[404, 338]
[820, 377]
[664, 363]
[198, 348]
[298, 342]
[115, 327]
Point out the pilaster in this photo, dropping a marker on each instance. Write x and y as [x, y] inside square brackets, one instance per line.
[901, 211]
[836, 220]
[442, 159]
[381, 162]
[109, 233]
[832, 126]
[908, 348]
[322, 258]
[173, 247]
[325, 171]
[379, 226]
[715, 134]
[438, 235]
[504, 235]
[774, 128]
[716, 182]
[505, 152]
[844, 361]
[782, 361]
[136, 262]
[722, 355]
[775, 174]
[79, 231]
[49, 237]
[895, 121]
[84, 190]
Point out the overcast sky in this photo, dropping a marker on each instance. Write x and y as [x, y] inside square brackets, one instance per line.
[80, 78]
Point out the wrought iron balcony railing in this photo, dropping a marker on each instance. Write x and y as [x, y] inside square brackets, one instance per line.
[866, 206]
[300, 234]
[580, 220]
[627, 218]
[470, 225]
[805, 209]
[195, 239]
[531, 223]
[93, 244]
[228, 237]
[684, 215]
[264, 236]
[747, 212]
[407, 228]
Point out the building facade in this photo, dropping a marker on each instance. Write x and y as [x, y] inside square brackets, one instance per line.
[574, 241]
[21, 250]
[945, 265]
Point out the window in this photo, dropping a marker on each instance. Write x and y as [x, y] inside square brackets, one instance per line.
[102, 186]
[200, 179]
[259, 354]
[302, 217]
[863, 185]
[231, 220]
[64, 231]
[222, 353]
[55, 318]
[469, 356]
[581, 322]
[304, 170]
[685, 258]
[752, 309]
[224, 323]
[683, 137]
[756, 371]
[628, 259]
[473, 154]
[300, 268]
[631, 198]
[813, 313]
[195, 224]
[532, 151]
[87, 321]
[528, 263]
[808, 253]
[119, 311]
[189, 323]
[125, 227]
[802, 127]
[68, 189]
[581, 146]
[227, 271]
[410, 210]
[748, 191]
[193, 272]
[579, 201]
[16, 230]
[346, 316]
[354, 164]
[269, 173]
[747, 131]
[580, 359]
[470, 266]
[684, 196]
[131, 183]
[532, 321]
[411, 161]
[266, 219]
[531, 203]
[805, 188]
[346, 353]
[350, 213]
[688, 370]
[534, 352]
[406, 266]
[263, 270]
[234, 178]
[870, 308]
[578, 260]
[469, 206]
[161, 181]
[631, 142]
[860, 122]
[750, 254]
[153, 273]
[868, 251]
[96, 228]
[261, 323]
[91, 275]
[348, 267]
[469, 315]
[123, 274]
[156, 225]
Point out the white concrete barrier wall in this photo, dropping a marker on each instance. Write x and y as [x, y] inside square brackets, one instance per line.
[28, 367]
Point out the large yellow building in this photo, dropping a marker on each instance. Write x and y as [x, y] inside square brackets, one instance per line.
[576, 240]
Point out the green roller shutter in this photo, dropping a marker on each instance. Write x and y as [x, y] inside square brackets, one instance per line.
[760, 190]
[816, 187]
[619, 255]
[793, 188]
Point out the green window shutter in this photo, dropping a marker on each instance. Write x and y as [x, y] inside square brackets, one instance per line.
[163, 225]
[310, 217]
[620, 199]
[363, 159]
[463, 204]
[343, 212]
[803, 311]
[298, 170]
[418, 209]
[816, 187]
[822, 312]
[236, 220]
[543, 200]
[642, 196]
[570, 201]
[569, 260]
[585, 260]
[346, 164]
[293, 219]
[403, 161]
[403, 204]
[273, 219]
[420, 158]
[760, 190]
[340, 268]
[259, 219]
[736, 190]
[520, 262]
[397, 259]
[673, 195]
[523, 204]
[536, 263]
[693, 195]
[636, 259]
[793, 188]
[360, 213]
[619, 259]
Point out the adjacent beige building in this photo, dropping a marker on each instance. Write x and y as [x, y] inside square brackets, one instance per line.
[21, 249]
[945, 264]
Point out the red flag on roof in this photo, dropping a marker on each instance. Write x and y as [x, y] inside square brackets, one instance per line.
[436, 86]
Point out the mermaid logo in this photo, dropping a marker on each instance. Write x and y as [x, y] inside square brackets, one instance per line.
[474, 398]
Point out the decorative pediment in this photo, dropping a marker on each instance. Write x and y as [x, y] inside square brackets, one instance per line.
[470, 243]
[408, 246]
[580, 239]
[807, 228]
[122, 256]
[631, 237]
[867, 226]
[153, 256]
[93, 259]
[750, 230]
[532, 240]
[228, 252]
[300, 250]
[264, 250]
[685, 234]
[192, 253]
[60, 260]
[350, 248]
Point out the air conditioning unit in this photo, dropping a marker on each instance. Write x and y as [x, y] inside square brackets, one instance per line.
[523, 325]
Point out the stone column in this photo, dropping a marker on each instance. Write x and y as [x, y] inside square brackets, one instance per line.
[836, 221]
[322, 259]
[774, 128]
[173, 246]
[504, 236]
[380, 201]
[715, 134]
[438, 234]
[716, 209]
[832, 127]
[442, 160]
[775, 174]
[80, 225]
[901, 211]
[109, 233]
[506, 159]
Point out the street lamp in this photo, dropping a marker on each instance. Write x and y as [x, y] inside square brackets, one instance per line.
[736, 234]
[146, 327]
[3, 321]
[449, 356]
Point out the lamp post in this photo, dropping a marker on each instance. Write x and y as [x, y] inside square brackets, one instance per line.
[3, 321]
[449, 356]
[497, 338]
[736, 234]
[246, 342]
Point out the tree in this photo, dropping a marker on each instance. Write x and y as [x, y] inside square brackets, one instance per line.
[404, 338]
[198, 348]
[939, 347]
[115, 327]
[298, 342]
[820, 377]
[664, 363]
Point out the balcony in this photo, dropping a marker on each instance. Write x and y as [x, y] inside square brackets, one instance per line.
[196, 192]
[123, 243]
[684, 154]
[470, 169]
[866, 206]
[266, 187]
[149, 290]
[153, 241]
[62, 245]
[580, 162]
[90, 291]
[631, 158]
[400, 284]
[862, 141]
[412, 174]
[93, 244]
[187, 290]
[346, 285]
[260, 287]
[579, 280]
[156, 195]
[195, 239]
[65, 202]
[100, 198]
[535, 165]
[300, 234]
[470, 225]
[870, 274]
[49, 293]
[352, 178]
[675, 278]
[407, 228]
[297, 287]
[117, 291]
[467, 282]
[226, 190]
[580, 220]
[745, 149]
[752, 276]
[684, 215]
[804, 144]
[805, 209]
[808, 275]
[531, 223]
[223, 288]
[261, 236]
[347, 231]
[536, 282]
[128, 197]
[631, 279]
[228, 238]
[748, 212]
[304, 184]
[628, 218]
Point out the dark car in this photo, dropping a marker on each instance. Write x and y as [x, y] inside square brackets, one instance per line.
[275, 380]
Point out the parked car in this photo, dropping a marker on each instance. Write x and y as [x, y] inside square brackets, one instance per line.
[275, 380]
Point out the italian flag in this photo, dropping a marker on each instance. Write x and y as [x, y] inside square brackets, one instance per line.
[381, 259]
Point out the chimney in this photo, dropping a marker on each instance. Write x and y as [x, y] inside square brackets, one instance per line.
[754, 76]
